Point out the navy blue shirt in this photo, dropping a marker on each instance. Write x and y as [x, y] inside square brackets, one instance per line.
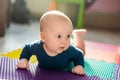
[58, 62]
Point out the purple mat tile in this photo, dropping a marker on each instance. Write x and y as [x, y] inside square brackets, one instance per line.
[117, 72]
[43, 74]
[8, 71]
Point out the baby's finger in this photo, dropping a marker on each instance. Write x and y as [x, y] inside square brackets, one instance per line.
[24, 66]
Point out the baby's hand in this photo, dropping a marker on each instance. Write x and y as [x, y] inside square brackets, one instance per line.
[78, 70]
[23, 64]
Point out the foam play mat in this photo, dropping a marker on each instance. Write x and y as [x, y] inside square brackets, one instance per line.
[102, 62]
[94, 70]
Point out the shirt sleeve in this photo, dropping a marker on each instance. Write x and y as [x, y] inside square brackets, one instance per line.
[79, 59]
[26, 52]
[77, 56]
[29, 50]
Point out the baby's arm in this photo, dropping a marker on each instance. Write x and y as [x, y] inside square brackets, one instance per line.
[23, 64]
[78, 70]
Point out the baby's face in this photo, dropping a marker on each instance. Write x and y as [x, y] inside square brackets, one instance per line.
[57, 36]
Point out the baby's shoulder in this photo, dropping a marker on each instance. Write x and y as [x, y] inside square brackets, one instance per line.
[74, 49]
[71, 48]
[34, 43]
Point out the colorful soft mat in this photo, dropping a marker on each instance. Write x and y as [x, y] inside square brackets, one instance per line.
[95, 70]
[102, 62]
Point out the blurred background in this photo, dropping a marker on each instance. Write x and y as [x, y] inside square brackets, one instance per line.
[19, 20]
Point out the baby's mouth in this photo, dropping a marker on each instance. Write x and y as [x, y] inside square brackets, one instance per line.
[62, 48]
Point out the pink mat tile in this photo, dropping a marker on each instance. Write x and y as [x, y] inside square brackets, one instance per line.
[101, 51]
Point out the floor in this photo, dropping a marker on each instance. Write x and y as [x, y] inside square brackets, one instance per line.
[18, 34]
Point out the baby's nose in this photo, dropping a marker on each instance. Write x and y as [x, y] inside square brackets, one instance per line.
[64, 41]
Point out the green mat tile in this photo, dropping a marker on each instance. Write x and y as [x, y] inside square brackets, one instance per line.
[99, 68]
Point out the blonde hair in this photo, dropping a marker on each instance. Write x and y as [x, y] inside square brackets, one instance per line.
[53, 13]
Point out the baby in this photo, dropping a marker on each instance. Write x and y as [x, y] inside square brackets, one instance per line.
[53, 50]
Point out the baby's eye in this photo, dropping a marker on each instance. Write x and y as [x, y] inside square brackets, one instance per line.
[68, 36]
[58, 36]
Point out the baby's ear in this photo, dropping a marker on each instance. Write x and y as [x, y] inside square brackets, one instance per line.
[42, 36]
